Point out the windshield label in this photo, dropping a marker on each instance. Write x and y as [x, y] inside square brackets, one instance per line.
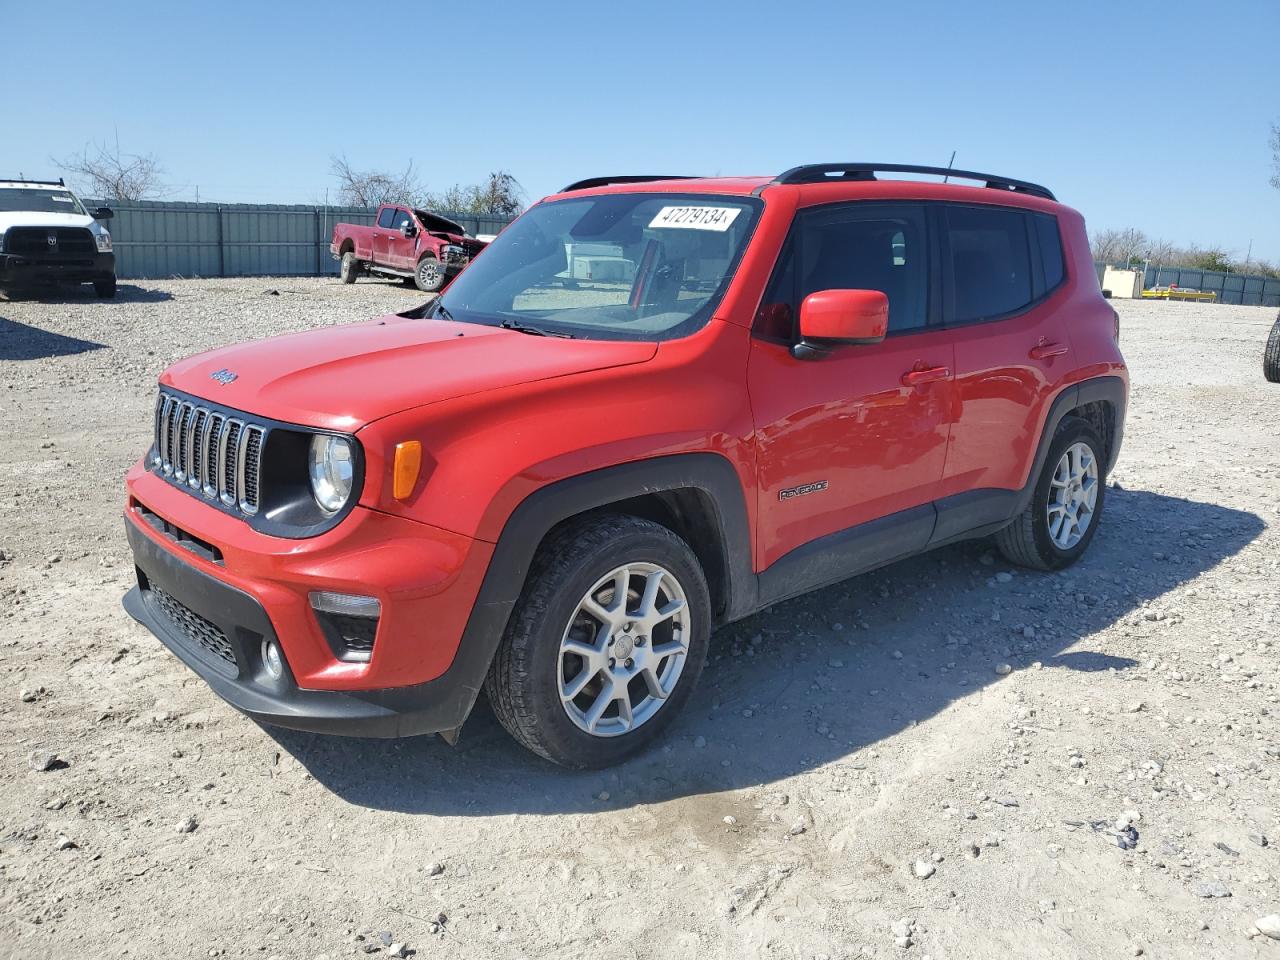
[61, 198]
[718, 219]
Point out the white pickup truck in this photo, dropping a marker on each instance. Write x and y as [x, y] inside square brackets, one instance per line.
[48, 237]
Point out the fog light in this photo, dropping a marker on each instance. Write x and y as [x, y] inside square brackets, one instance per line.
[272, 659]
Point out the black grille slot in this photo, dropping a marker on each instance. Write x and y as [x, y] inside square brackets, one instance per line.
[69, 243]
[216, 420]
[196, 629]
[252, 457]
[233, 454]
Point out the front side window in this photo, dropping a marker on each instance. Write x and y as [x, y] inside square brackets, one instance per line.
[852, 247]
[641, 266]
[386, 216]
[400, 218]
[990, 262]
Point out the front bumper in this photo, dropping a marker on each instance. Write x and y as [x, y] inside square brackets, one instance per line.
[21, 270]
[216, 596]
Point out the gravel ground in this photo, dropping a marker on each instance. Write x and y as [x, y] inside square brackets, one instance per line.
[949, 758]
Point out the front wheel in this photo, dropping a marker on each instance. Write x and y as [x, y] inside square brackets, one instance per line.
[1057, 526]
[605, 644]
[429, 276]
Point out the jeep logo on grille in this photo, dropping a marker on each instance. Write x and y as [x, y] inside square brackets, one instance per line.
[223, 376]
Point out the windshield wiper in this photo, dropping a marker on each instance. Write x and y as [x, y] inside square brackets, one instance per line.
[441, 311]
[519, 327]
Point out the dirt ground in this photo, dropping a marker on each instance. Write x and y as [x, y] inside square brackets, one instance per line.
[840, 747]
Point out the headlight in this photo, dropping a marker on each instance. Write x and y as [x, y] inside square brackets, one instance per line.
[104, 241]
[331, 472]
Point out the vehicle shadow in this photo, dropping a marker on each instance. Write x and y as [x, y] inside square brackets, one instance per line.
[18, 341]
[125, 293]
[787, 690]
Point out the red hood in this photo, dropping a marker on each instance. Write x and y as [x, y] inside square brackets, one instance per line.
[341, 378]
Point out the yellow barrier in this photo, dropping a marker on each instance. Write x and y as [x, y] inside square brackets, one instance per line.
[1177, 293]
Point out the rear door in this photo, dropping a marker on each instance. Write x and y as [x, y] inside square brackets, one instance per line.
[859, 436]
[1001, 269]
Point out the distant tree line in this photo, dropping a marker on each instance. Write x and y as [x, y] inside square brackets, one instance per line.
[499, 194]
[1131, 246]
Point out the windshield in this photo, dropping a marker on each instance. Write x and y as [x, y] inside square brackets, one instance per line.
[638, 266]
[52, 200]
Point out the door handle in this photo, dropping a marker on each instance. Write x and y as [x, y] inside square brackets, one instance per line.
[1043, 350]
[914, 378]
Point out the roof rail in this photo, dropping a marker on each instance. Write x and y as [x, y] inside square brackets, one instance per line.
[43, 183]
[605, 181]
[824, 172]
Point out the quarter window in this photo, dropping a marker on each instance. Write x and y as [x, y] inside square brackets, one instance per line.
[1050, 249]
[990, 263]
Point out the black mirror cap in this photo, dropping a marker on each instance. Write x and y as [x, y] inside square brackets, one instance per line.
[103, 213]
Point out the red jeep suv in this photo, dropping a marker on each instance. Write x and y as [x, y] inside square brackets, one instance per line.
[654, 406]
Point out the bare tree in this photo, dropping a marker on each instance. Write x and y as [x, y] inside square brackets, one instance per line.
[109, 174]
[371, 188]
[1105, 245]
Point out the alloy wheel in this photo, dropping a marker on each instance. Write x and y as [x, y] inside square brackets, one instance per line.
[1073, 496]
[624, 649]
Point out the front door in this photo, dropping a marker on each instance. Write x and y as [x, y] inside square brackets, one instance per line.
[850, 447]
[400, 249]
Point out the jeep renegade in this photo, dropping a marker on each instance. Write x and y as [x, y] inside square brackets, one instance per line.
[654, 406]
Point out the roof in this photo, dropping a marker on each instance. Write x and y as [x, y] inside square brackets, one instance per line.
[32, 184]
[819, 183]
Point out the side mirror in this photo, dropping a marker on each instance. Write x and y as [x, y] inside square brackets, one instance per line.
[103, 213]
[830, 318]
[408, 229]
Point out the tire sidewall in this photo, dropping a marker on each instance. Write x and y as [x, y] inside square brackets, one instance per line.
[559, 732]
[347, 271]
[1073, 431]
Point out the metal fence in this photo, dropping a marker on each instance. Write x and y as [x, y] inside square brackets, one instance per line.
[156, 238]
[1235, 288]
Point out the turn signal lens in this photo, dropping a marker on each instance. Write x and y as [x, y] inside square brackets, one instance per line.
[405, 472]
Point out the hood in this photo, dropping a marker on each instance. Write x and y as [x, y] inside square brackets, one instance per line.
[34, 218]
[341, 378]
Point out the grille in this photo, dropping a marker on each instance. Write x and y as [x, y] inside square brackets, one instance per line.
[199, 631]
[71, 242]
[213, 454]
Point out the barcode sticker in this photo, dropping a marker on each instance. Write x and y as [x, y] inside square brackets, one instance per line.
[718, 219]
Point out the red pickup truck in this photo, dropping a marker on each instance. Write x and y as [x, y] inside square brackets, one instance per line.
[415, 245]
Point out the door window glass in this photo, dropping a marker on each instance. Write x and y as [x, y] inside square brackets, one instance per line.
[386, 216]
[990, 262]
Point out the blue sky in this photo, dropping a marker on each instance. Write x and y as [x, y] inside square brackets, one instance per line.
[1154, 115]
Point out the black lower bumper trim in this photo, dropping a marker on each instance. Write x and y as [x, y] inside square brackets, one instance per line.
[437, 706]
[18, 270]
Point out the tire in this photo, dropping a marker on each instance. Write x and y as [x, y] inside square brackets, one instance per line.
[1271, 356]
[1030, 540]
[349, 268]
[531, 668]
[105, 289]
[428, 276]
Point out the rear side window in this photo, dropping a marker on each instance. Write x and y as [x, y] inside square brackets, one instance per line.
[1050, 249]
[386, 216]
[990, 262]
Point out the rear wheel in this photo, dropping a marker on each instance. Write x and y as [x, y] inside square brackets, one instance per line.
[429, 275]
[349, 268]
[1271, 356]
[605, 644]
[1059, 523]
[105, 289]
